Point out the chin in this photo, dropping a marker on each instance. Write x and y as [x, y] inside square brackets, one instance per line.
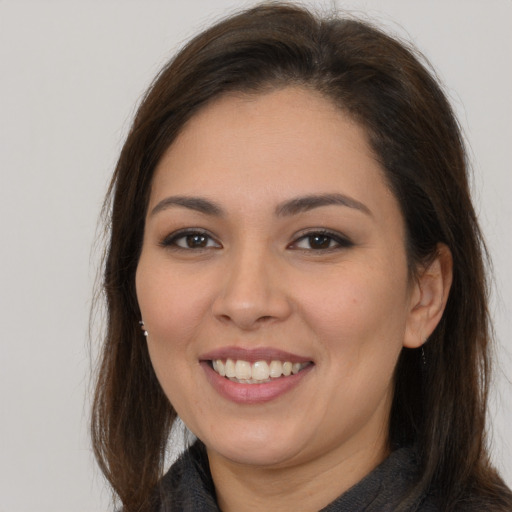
[255, 447]
[262, 455]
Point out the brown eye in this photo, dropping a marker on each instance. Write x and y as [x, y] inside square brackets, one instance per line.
[196, 241]
[319, 241]
[190, 240]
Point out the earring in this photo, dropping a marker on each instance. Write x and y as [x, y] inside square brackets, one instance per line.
[141, 323]
[423, 357]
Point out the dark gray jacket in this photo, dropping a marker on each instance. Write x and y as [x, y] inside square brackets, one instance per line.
[188, 486]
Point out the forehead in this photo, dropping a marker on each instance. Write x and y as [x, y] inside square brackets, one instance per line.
[291, 141]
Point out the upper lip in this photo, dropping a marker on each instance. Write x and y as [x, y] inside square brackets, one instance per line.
[253, 355]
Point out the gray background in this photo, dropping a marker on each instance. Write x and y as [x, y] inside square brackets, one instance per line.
[71, 73]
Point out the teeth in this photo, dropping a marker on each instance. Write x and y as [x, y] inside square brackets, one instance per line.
[221, 369]
[276, 369]
[243, 370]
[260, 371]
[230, 368]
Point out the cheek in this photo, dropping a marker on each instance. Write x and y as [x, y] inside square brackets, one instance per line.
[172, 306]
[358, 314]
[173, 311]
[354, 299]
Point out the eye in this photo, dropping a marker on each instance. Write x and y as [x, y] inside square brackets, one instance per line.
[190, 240]
[321, 241]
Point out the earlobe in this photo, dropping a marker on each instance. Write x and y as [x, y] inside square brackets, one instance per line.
[429, 297]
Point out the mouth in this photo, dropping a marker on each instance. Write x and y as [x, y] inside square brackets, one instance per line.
[257, 375]
[258, 372]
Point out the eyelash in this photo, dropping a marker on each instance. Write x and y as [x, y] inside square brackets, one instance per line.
[171, 240]
[340, 241]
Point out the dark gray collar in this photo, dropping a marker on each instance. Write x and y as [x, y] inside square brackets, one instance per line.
[188, 486]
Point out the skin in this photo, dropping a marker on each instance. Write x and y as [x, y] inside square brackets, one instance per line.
[258, 282]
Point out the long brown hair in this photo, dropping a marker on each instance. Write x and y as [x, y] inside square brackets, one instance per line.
[385, 86]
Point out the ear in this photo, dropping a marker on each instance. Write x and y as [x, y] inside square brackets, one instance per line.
[428, 298]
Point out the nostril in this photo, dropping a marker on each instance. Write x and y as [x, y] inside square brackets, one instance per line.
[250, 311]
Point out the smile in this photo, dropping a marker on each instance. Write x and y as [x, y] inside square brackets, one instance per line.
[258, 372]
[254, 376]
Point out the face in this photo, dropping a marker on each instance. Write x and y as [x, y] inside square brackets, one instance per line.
[274, 253]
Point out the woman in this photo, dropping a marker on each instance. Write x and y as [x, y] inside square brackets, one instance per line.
[292, 229]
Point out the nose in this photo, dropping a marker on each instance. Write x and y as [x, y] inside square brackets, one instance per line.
[253, 292]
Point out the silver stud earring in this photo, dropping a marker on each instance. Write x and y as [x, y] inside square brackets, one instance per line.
[141, 323]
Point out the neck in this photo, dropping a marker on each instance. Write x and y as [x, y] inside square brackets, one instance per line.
[301, 486]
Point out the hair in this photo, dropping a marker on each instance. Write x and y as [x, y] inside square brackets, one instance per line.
[387, 87]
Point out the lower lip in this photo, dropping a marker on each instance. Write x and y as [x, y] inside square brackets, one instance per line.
[253, 393]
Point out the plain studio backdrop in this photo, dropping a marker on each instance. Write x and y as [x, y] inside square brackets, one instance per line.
[71, 73]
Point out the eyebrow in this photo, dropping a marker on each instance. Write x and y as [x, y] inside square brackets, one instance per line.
[306, 203]
[198, 204]
[285, 209]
